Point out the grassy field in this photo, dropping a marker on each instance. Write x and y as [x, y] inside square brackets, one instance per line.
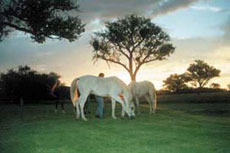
[177, 127]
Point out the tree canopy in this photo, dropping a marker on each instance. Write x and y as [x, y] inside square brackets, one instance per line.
[215, 86]
[42, 19]
[200, 73]
[131, 42]
[27, 83]
[176, 82]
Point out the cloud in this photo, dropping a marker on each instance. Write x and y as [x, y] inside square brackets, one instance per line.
[206, 8]
[167, 6]
[109, 9]
[95, 12]
[226, 10]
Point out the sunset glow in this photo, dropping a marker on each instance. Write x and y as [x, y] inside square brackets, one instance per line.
[198, 29]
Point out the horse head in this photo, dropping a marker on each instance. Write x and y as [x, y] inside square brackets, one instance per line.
[130, 109]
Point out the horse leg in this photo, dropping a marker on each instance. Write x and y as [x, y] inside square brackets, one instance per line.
[118, 99]
[123, 111]
[113, 109]
[82, 103]
[56, 106]
[154, 101]
[147, 97]
[62, 106]
[77, 109]
[137, 105]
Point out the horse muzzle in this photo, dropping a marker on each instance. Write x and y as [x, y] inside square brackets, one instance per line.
[132, 117]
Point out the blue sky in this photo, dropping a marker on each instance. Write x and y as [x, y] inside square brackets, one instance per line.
[199, 29]
[201, 19]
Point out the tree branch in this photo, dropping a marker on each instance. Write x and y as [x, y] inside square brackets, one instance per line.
[113, 61]
[138, 44]
[17, 27]
[121, 50]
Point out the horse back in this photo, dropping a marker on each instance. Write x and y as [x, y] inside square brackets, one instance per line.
[141, 88]
[97, 85]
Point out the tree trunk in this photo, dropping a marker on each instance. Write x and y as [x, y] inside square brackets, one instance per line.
[132, 77]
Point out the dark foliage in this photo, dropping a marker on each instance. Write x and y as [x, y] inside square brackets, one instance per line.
[42, 19]
[27, 84]
[176, 82]
[215, 85]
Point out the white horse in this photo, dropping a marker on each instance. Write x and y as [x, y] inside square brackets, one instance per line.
[106, 87]
[144, 89]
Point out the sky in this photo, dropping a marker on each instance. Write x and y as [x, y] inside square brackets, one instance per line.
[199, 29]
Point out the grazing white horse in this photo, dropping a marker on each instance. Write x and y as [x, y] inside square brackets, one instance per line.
[144, 89]
[106, 87]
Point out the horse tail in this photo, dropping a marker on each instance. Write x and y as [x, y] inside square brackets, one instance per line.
[74, 92]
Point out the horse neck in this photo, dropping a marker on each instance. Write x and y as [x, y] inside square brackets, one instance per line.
[127, 95]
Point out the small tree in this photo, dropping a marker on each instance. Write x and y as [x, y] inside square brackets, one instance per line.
[41, 19]
[228, 87]
[131, 42]
[215, 86]
[200, 73]
[175, 82]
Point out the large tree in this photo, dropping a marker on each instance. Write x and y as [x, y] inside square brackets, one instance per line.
[42, 19]
[176, 82]
[200, 73]
[131, 42]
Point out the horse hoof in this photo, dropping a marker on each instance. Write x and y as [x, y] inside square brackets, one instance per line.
[77, 117]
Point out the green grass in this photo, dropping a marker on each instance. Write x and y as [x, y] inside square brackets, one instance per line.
[175, 128]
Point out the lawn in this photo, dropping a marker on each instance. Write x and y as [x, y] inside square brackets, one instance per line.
[177, 127]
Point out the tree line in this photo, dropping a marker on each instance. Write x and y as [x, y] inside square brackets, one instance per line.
[195, 79]
[28, 84]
